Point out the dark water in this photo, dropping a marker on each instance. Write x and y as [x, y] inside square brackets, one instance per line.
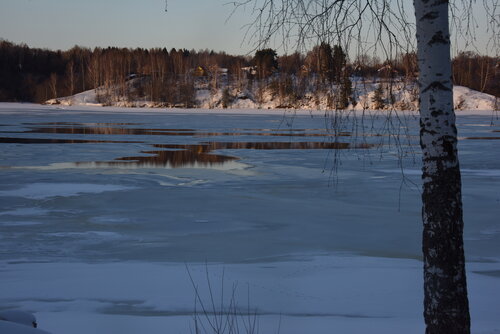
[178, 155]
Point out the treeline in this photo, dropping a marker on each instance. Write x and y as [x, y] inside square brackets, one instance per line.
[481, 73]
[36, 75]
[172, 76]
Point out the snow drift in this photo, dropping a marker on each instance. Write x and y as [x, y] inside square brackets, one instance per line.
[396, 95]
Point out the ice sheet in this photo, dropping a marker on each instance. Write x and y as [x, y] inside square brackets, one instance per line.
[317, 293]
[47, 190]
[318, 246]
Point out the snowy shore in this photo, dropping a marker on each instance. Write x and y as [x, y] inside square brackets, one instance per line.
[464, 99]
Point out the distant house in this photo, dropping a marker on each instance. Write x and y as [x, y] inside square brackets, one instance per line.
[223, 71]
[251, 70]
[200, 71]
[131, 76]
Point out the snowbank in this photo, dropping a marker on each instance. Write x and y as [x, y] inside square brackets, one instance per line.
[396, 96]
[467, 99]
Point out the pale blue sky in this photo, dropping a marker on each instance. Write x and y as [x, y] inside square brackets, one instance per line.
[60, 24]
[190, 24]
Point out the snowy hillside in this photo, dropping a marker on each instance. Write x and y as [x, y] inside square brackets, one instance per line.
[396, 95]
[468, 99]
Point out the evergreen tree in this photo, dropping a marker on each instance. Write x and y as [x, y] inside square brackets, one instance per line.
[339, 63]
[378, 97]
[326, 63]
[266, 61]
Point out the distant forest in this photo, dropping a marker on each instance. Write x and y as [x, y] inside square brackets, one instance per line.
[37, 75]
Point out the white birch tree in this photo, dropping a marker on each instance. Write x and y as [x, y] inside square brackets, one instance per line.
[446, 308]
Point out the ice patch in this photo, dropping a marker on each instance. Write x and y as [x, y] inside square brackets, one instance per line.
[226, 166]
[482, 172]
[92, 234]
[491, 232]
[15, 328]
[27, 223]
[404, 171]
[47, 190]
[109, 220]
[474, 172]
[192, 183]
[308, 295]
[24, 212]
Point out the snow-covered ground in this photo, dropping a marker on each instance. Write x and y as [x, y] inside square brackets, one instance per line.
[91, 244]
[404, 95]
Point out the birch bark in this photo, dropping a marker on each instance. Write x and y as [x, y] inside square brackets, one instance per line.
[446, 307]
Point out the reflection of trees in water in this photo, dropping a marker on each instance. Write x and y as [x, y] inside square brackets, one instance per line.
[482, 138]
[180, 155]
[105, 130]
[99, 130]
[200, 154]
[13, 140]
[175, 159]
[207, 147]
[80, 124]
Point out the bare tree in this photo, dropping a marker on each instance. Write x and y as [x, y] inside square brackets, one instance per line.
[94, 69]
[53, 85]
[385, 24]
[70, 72]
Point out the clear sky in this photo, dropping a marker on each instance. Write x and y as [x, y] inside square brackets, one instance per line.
[60, 24]
[190, 24]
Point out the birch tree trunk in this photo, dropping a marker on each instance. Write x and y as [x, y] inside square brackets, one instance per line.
[446, 308]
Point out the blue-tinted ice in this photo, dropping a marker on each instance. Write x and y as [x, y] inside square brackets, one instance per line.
[238, 189]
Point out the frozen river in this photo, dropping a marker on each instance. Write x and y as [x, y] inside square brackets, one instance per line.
[103, 211]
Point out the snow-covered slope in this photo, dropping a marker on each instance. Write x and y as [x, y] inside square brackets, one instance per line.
[397, 96]
[467, 99]
[87, 98]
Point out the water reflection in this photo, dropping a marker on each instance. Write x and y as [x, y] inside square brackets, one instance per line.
[11, 140]
[103, 129]
[178, 155]
[111, 131]
[482, 138]
[165, 159]
[207, 147]
[200, 155]
[80, 124]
